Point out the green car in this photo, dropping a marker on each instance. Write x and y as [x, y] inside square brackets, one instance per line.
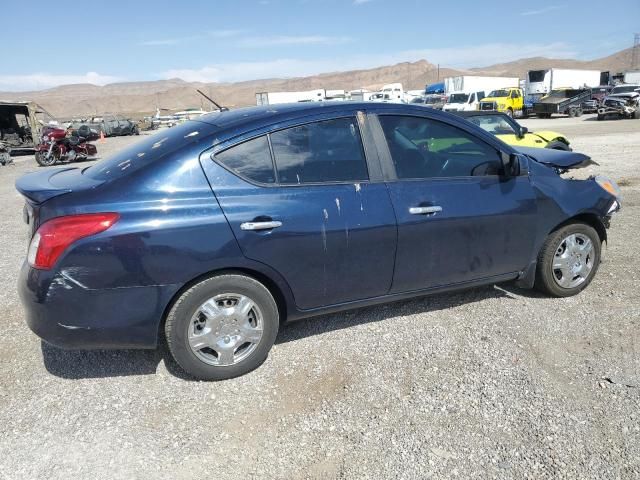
[511, 132]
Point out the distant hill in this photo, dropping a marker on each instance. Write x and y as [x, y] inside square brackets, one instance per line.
[137, 98]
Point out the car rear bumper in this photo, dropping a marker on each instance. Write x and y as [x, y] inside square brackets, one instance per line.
[68, 315]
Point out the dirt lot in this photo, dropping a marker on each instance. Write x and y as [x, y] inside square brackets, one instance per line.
[491, 383]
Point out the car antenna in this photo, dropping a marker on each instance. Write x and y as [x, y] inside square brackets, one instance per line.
[218, 106]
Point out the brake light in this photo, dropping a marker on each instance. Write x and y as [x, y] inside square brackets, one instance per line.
[54, 236]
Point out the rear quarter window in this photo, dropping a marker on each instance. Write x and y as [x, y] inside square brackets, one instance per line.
[251, 159]
[149, 150]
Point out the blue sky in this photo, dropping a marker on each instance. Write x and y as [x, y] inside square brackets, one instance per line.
[227, 41]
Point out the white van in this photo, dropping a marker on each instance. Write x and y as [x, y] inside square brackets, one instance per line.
[460, 101]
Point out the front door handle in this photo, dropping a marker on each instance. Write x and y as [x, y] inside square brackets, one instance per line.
[425, 210]
[260, 225]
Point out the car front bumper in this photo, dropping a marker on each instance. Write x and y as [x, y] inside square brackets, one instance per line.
[68, 315]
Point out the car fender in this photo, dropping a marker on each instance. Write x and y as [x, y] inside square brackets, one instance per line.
[560, 201]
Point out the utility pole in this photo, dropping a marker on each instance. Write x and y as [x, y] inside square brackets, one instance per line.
[635, 53]
[438, 73]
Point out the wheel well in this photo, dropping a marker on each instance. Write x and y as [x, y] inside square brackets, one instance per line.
[588, 218]
[273, 288]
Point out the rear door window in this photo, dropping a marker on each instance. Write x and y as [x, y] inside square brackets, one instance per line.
[320, 152]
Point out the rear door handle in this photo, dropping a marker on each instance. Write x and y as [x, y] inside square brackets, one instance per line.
[425, 210]
[260, 225]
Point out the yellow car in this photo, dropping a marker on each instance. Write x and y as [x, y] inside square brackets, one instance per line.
[511, 132]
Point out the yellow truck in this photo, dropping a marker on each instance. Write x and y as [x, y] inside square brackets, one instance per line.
[507, 100]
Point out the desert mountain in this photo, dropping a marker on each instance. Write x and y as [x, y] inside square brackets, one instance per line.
[137, 98]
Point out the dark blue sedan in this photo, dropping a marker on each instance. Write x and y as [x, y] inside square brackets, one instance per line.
[219, 230]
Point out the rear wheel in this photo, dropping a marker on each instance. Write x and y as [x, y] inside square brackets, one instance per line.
[568, 260]
[509, 112]
[600, 116]
[222, 327]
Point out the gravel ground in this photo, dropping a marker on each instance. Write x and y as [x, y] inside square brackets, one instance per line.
[494, 382]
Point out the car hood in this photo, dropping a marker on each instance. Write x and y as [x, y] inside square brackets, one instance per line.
[624, 95]
[557, 158]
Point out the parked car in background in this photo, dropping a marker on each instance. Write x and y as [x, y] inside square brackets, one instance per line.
[110, 125]
[511, 132]
[598, 93]
[217, 231]
[623, 101]
[432, 101]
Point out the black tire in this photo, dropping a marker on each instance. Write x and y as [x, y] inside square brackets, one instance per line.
[509, 112]
[558, 145]
[636, 114]
[182, 312]
[45, 161]
[545, 276]
[579, 112]
[600, 116]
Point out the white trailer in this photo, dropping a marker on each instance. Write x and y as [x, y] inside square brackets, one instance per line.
[361, 95]
[271, 98]
[632, 77]
[464, 92]
[543, 82]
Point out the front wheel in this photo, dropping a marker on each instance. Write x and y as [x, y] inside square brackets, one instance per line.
[222, 327]
[568, 260]
[46, 160]
[509, 112]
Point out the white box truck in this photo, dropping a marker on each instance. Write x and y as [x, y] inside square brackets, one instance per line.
[543, 82]
[271, 98]
[464, 92]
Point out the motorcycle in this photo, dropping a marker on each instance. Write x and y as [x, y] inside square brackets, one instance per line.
[56, 147]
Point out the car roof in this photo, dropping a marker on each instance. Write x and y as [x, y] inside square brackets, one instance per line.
[271, 113]
[252, 118]
[476, 113]
[235, 123]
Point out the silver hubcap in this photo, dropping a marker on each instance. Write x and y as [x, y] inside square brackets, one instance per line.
[225, 329]
[573, 260]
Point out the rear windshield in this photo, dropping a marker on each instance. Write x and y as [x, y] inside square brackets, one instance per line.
[149, 150]
[626, 89]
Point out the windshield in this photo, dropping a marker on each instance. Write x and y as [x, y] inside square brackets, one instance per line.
[432, 100]
[499, 93]
[418, 100]
[536, 75]
[458, 98]
[495, 124]
[625, 88]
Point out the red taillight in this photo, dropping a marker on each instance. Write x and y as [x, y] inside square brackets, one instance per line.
[55, 235]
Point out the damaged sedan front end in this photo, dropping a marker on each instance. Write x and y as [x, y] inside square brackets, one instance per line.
[626, 105]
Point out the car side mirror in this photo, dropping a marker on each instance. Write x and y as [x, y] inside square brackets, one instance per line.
[510, 164]
[522, 132]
